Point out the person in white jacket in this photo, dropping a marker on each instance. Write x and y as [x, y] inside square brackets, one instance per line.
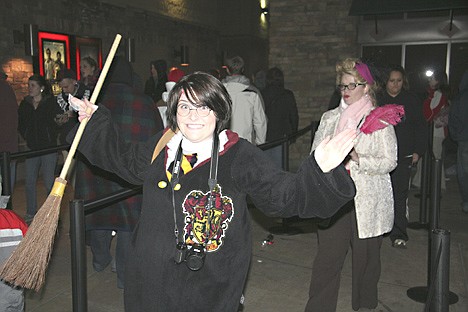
[361, 223]
[248, 113]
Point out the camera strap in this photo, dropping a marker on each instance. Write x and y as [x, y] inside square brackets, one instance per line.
[214, 164]
[174, 182]
[212, 181]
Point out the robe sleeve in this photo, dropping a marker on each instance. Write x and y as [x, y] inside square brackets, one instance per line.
[307, 193]
[104, 147]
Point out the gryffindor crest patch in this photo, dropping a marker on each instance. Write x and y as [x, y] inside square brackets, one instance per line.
[201, 222]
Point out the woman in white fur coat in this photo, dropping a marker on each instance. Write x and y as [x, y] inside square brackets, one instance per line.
[362, 222]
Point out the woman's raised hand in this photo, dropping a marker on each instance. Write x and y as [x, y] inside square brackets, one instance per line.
[331, 152]
[84, 107]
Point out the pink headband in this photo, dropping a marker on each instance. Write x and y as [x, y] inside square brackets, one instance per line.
[364, 71]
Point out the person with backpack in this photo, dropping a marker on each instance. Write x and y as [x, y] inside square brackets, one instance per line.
[248, 112]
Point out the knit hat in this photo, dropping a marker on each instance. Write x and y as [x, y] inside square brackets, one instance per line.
[175, 75]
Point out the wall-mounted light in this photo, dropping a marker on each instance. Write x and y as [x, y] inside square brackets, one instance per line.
[183, 53]
[264, 14]
[264, 7]
[29, 37]
[130, 49]
[184, 56]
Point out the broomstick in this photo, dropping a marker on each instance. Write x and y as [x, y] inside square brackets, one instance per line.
[27, 265]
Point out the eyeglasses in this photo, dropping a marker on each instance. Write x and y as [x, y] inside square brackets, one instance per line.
[184, 110]
[350, 86]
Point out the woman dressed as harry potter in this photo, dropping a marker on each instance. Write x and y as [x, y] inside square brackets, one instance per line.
[192, 247]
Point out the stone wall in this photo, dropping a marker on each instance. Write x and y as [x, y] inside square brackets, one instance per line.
[159, 28]
[307, 37]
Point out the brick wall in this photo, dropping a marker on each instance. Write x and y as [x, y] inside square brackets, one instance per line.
[307, 37]
[18, 71]
[158, 27]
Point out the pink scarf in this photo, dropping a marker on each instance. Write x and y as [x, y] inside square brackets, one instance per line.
[352, 114]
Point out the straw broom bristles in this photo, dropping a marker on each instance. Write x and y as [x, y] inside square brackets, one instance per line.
[27, 265]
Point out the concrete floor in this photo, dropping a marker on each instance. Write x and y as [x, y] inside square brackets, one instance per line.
[280, 272]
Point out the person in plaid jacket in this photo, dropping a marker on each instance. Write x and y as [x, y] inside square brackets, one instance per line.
[137, 121]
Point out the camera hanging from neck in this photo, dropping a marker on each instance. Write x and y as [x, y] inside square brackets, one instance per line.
[195, 256]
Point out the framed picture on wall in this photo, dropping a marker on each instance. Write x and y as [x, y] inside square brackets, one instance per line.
[87, 48]
[54, 55]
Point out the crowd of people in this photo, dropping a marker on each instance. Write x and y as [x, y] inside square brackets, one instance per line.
[190, 140]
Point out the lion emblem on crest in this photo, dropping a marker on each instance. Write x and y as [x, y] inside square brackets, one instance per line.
[203, 225]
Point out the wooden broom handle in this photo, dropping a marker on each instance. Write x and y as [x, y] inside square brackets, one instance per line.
[94, 96]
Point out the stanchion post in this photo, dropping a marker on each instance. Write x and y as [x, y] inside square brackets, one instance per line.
[420, 293]
[285, 152]
[78, 256]
[426, 174]
[425, 184]
[434, 210]
[6, 178]
[435, 193]
[436, 295]
[285, 228]
[440, 272]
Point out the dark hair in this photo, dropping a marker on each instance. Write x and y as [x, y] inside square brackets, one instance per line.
[260, 79]
[401, 70]
[91, 62]
[160, 66]
[215, 73]
[206, 90]
[42, 83]
[66, 73]
[275, 77]
[441, 77]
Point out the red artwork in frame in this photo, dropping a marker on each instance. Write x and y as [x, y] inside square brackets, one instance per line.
[54, 53]
[87, 47]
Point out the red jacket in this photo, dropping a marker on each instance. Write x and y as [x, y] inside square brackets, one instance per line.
[12, 230]
[10, 220]
[430, 113]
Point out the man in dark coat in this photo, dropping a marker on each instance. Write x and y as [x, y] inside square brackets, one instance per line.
[67, 81]
[458, 128]
[8, 124]
[281, 111]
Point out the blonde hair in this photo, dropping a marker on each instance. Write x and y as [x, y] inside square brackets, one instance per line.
[348, 67]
